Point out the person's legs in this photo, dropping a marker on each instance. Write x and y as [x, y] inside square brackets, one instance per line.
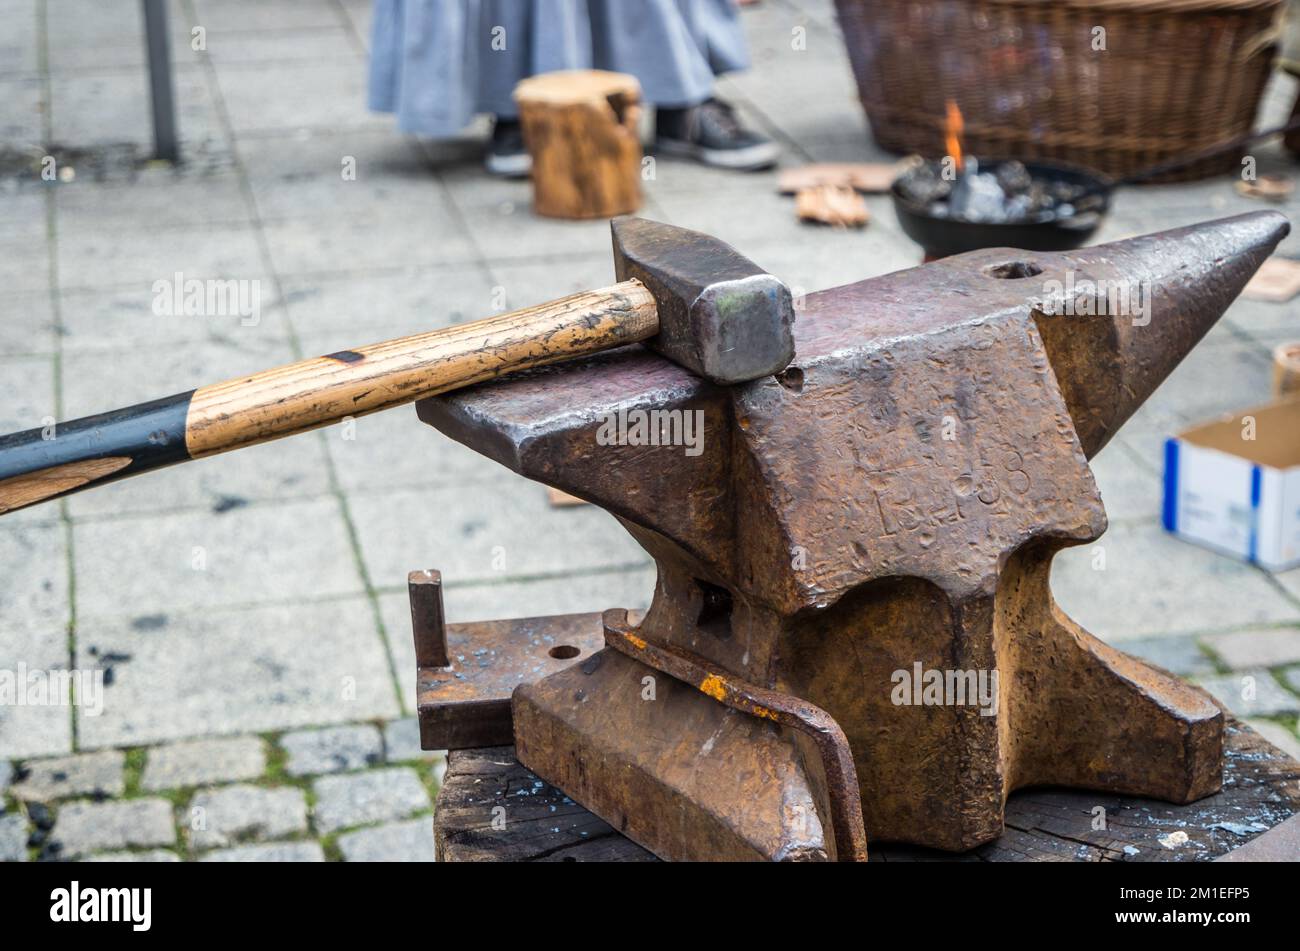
[675, 48]
[436, 64]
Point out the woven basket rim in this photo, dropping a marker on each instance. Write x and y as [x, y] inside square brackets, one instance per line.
[1118, 6]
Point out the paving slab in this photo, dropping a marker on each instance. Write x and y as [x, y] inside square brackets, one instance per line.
[410, 841]
[19, 46]
[1147, 589]
[357, 799]
[333, 750]
[269, 852]
[228, 672]
[86, 774]
[387, 239]
[1291, 677]
[1277, 734]
[402, 742]
[1180, 655]
[1290, 582]
[92, 22]
[33, 637]
[23, 97]
[1268, 322]
[309, 95]
[1252, 693]
[84, 827]
[102, 107]
[152, 206]
[235, 814]
[204, 762]
[394, 450]
[136, 259]
[333, 312]
[24, 261]
[239, 16]
[255, 554]
[518, 284]
[326, 43]
[38, 649]
[476, 533]
[27, 396]
[319, 175]
[13, 838]
[133, 321]
[1269, 647]
[34, 333]
[1130, 488]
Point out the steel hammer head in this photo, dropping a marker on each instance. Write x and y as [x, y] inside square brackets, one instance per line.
[721, 316]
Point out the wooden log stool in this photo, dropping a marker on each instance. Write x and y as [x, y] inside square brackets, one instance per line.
[580, 127]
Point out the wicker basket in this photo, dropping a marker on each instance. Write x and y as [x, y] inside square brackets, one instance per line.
[1176, 76]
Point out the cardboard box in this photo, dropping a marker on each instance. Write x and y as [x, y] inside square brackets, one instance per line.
[1237, 495]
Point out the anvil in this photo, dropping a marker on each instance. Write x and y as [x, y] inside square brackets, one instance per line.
[886, 507]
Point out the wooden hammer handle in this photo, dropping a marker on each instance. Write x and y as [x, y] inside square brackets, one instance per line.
[41, 464]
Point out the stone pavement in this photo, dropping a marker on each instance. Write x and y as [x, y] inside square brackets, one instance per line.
[248, 612]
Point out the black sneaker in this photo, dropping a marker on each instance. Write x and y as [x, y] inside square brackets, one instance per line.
[711, 133]
[506, 155]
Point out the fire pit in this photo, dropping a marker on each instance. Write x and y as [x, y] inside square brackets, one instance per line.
[1002, 203]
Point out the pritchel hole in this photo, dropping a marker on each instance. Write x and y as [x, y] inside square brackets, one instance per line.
[791, 378]
[715, 609]
[564, 651]
[1013, 270]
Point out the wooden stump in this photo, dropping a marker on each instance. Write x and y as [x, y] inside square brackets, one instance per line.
[581, 130]
[491, 809]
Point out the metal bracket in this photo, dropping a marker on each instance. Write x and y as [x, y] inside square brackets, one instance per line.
[784, 709]
[465, 673]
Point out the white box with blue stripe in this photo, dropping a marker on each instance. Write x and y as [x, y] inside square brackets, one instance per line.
[1234, 485]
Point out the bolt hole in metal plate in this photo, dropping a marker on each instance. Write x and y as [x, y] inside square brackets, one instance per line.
[467, 704]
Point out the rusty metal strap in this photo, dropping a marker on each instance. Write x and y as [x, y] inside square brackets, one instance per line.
[784, 709]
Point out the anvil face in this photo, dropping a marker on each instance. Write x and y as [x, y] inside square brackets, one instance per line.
[886, 508]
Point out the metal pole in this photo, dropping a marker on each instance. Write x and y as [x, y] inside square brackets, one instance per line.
[160, 81]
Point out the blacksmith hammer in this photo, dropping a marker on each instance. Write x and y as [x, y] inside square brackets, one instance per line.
[688, 296]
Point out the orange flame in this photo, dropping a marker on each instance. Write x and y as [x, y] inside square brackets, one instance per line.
[952, 130]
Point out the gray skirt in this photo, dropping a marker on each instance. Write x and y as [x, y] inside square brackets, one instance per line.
[438, 63]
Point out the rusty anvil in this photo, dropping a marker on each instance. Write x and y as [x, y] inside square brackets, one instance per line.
[893, 498]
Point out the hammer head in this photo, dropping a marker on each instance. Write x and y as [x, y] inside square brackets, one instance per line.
[721, 316]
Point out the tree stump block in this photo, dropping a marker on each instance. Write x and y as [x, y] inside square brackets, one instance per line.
[492, 809]
[580, 127]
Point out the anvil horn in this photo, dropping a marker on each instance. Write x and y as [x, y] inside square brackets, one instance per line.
[1170, 288]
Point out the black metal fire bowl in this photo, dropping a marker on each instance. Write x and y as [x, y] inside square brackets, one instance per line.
[941, 236]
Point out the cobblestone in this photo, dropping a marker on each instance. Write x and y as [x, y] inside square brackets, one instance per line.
[144, 855]
[86, 774]
[235, 814]
[380, 795]
[13, 838]
[1269, 698]
[269, 852]
[204, 762]
[333, 750]
[410, 841]
[84, 827]
[1271, 647]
